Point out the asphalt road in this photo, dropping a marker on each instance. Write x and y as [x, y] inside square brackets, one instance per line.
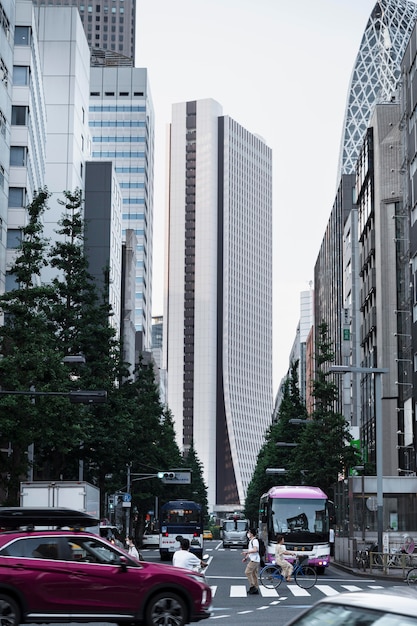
[232, 605]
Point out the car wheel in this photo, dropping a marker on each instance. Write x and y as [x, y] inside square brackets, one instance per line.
[166, 608]
[9, 611]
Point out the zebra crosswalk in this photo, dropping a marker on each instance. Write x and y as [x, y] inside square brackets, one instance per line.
[239, 591]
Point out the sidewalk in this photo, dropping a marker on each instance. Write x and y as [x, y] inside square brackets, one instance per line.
[393, 574]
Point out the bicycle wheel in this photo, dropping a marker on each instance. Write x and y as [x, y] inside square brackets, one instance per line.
[412, 576]
[270, 576]
[305, 576]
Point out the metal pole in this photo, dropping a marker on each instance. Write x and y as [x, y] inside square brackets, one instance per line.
[128, 507]
[379, 464]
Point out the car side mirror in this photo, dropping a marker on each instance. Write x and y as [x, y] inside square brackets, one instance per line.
[123, 563]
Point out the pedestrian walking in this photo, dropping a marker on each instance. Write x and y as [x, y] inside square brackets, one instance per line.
[251, 554]
[131, 548]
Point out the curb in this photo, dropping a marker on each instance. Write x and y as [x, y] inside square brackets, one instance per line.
[374, 574]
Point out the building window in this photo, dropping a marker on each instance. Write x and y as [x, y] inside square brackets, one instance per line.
[18, 156]
[19, 115]
[11, 281]
[22, 36]
[1, 177]
[4, 21]
[14, 238]
[4, 74]
[20, 75]
[16, 197]
[2, 124]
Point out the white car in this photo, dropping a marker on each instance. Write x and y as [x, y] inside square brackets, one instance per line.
[395, 606]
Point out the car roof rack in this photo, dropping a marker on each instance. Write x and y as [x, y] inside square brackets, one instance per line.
[15, 517]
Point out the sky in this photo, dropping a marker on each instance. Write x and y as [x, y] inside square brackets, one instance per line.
[281, 69]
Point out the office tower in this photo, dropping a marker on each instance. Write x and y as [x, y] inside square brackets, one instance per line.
[26, 156]
[103, 234]
[376, 72]
[108, 24]
[218, 300]
[64, 60]
[7, 26]
[121, 120]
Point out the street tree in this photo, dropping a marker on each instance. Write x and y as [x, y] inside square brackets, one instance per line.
[324, 452]
[273, 454]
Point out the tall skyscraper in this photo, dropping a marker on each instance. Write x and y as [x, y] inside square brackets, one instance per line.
[376, 72]
[218, 304]
[108, 24]
[121, 120]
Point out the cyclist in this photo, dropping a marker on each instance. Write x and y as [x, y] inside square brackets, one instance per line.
[286, 567]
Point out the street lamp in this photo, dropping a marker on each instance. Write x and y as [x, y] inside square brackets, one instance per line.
[377, 371]
[296, 421]
[284, 444]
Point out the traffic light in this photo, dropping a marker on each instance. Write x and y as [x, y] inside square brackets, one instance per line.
[88, 397]
[111, 502]
[166, 475]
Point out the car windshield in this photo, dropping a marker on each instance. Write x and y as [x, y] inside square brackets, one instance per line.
[342, 615]
[235, 525]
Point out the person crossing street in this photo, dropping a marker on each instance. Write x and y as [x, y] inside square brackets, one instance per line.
[251, 554]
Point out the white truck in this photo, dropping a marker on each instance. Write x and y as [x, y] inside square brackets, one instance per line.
[67, 494]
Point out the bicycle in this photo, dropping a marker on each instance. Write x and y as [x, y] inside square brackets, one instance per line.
[411, 578]
[304, 575]
[362, 559]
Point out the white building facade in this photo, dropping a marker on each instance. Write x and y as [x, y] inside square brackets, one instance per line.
[218, 300]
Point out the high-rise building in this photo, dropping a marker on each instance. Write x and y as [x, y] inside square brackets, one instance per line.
[218, 301]
[108, 24]
[121, 122]
[22, 163]
[375, 73]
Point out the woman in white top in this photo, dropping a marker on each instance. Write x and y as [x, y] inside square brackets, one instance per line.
[285, 566]
[131, 548]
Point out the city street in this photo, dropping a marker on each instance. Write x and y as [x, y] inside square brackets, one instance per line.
[225, 575]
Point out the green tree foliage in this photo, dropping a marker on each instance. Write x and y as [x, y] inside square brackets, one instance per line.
[68, 317]
[30, 357]
[197, 490]
[324, 452]
[272, 455]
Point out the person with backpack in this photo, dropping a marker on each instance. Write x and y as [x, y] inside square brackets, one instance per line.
[252, 568]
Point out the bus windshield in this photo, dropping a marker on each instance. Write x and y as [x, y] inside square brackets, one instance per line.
[181, 516]
[299, 515]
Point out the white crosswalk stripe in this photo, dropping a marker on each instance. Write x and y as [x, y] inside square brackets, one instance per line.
[284, 590]
[327, 590]
[238, 591]
[297, 591]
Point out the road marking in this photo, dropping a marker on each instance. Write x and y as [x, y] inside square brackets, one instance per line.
[375, 587]
[327, 590]
[268, 593]
[297, 591]
[352, 588]
[238, 591]
[213, 590]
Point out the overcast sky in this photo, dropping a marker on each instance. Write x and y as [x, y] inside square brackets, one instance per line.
[281, 69]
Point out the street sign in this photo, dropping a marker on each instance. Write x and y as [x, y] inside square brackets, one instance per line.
[127, 497]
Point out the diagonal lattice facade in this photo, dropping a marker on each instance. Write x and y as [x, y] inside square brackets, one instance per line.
[376, 72]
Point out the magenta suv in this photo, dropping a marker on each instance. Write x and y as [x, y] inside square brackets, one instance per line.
[76, 576]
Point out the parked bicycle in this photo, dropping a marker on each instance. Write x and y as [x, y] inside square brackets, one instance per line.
[362, 559]
[411, 578]
[304, 575]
